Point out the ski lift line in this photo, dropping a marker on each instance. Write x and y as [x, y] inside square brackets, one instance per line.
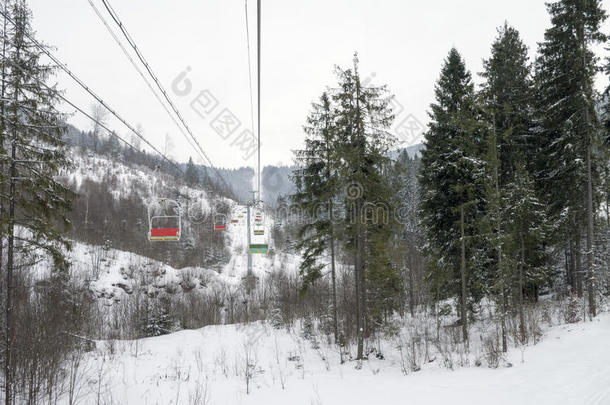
[258, 27]
[137, 68]
[98, 122]
[86, 114]
[91, 92]
[249, 67]
[250, 74]
[132, 43]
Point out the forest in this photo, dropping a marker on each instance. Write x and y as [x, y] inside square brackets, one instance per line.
[497, 229]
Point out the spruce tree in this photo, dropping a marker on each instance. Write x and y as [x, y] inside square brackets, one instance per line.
[452, 179]
[363, 121]
[568, 130]
[190, 175]
[317, 188]
[33, 153]
[507, 96]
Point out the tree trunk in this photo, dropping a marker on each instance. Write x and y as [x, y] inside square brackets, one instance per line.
[590, 264]
[86, 210]
[361, 291]
[358, 301]
[8, 357]
[359, 276]
[520, 292]
[572, 266]
[500, 267]
[566, 254]
[588, 138]
[411, 287]
[463, 277]
[578, 262]
[2, 132]
[333, 273]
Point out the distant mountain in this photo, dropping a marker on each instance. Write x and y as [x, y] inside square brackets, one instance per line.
[239, 180]
[275, 182]
[413, 151]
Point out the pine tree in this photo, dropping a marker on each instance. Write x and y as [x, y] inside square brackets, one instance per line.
[316, 191]
[567, 124]
[451, 179]
[363, 120]
[100, 114]
[507, 96]
[191, 175]
[157, 319]
[32, 154]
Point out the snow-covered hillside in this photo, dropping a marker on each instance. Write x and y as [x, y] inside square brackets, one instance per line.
[128, 179]
[269, 362]
[113, 274]
[221, 364]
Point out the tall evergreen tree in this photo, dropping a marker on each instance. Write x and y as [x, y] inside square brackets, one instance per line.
[507, 95]
[33, 153]
[363, 120]
[317, 188]
[451, 178]
[191, 176]
[567, 169]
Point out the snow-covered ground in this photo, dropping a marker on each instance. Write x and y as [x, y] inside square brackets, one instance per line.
[258, 364]
[569, 366]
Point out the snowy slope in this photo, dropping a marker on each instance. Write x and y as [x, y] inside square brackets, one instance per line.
[113, 274]
[128, 179]
[257, 364]
[570, 366]
[140, 180]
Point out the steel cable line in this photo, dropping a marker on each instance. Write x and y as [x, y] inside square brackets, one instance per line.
[137, 68]
[249, 68]
[92, 119]
[258, 27]
[86, 114]
[91, 92]
[132, 43]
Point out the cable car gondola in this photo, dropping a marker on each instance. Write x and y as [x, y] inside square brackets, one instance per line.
[258, 248]
[220, 222]
[164, 227]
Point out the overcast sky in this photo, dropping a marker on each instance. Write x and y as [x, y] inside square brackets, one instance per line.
[400, 43]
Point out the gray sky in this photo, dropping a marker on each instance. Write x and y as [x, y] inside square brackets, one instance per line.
[400, 43]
